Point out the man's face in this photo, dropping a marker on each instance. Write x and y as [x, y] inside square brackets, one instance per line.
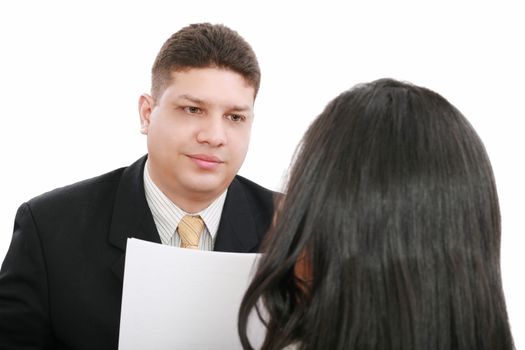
[198, 132]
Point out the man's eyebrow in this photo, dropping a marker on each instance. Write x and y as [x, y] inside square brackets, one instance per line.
[192, 99]
[240, 108]
[235, 108]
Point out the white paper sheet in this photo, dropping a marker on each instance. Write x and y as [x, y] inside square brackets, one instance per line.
[177, 298]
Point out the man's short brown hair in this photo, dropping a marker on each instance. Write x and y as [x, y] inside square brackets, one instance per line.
[204, 45]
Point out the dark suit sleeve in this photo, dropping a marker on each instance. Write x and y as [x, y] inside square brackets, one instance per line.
[24, 310]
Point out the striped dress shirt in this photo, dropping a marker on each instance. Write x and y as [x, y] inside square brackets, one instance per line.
[167, 215]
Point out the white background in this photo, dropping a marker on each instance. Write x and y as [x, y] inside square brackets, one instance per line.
[71, 73]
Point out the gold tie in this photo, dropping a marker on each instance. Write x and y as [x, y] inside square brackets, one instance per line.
[190, 228]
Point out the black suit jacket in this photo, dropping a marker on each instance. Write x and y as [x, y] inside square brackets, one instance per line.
[61, 280]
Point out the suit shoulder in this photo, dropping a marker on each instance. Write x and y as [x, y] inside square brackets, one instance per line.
[255, 187]
[258, 193]
[82, 190]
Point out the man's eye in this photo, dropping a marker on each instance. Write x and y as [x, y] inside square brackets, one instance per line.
[192, 110]
[236, 117]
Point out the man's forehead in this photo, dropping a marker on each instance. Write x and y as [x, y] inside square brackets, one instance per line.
[210, 86]
[177, 71]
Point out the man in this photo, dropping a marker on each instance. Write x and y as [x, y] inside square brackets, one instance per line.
[61, 280]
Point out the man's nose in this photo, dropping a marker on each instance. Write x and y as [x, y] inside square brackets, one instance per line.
[213, 131]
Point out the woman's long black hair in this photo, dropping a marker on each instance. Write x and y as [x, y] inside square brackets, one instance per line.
[392, 199]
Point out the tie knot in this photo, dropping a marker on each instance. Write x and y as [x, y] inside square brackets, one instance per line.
[190, 228]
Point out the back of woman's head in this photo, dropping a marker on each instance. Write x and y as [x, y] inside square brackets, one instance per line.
[392, 200]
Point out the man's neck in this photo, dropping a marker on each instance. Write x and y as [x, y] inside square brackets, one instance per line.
[189, 201]
[190, 204]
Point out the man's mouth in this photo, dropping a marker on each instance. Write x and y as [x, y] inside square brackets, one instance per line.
[204, 161]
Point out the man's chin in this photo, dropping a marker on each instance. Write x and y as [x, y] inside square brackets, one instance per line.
[206, 185]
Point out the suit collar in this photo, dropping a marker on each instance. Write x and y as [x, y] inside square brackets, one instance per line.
[131, 214]
[237, 228]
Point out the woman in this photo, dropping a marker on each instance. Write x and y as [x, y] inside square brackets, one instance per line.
[389, 234]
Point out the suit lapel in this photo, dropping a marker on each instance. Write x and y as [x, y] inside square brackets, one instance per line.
[131, 214]
[237, 229]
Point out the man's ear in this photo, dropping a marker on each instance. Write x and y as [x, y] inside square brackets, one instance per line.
[146, 105]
